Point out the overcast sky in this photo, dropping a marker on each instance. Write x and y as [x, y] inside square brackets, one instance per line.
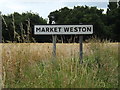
[44, 7]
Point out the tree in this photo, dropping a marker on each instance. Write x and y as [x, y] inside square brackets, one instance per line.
[19, 27]
[113, 21]
[81, 15]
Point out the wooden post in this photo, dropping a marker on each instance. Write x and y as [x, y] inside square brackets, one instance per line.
[81, 48]
[54, 46]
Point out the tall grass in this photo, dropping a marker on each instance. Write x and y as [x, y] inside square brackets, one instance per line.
[30, 65]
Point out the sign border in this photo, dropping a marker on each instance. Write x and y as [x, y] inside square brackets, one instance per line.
[62, 33]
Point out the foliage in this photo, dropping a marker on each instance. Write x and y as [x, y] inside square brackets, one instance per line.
[105, 25]
[113, 21]
[19, 27]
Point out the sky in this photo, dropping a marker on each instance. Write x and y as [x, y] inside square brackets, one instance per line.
[44, 7]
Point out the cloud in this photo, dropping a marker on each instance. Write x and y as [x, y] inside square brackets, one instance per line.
[43, 7]
[98, 4]
[57, 0]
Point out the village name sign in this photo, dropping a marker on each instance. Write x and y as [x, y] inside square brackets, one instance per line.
[63, 29]
[55, 30]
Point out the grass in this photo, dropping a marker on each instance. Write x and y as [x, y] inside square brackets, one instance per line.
[30, 65]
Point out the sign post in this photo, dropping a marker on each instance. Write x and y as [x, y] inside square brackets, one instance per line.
[54, 46]
[55, 30]
[81, 48]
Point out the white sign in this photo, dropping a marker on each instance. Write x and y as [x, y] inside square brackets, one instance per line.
[62, 29]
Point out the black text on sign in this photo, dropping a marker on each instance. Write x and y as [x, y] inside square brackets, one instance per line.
[63, 29]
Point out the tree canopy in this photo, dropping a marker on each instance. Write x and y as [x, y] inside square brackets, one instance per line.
[19, 27]
[105, 25]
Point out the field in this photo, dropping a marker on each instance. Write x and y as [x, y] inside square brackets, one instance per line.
[31, 65]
